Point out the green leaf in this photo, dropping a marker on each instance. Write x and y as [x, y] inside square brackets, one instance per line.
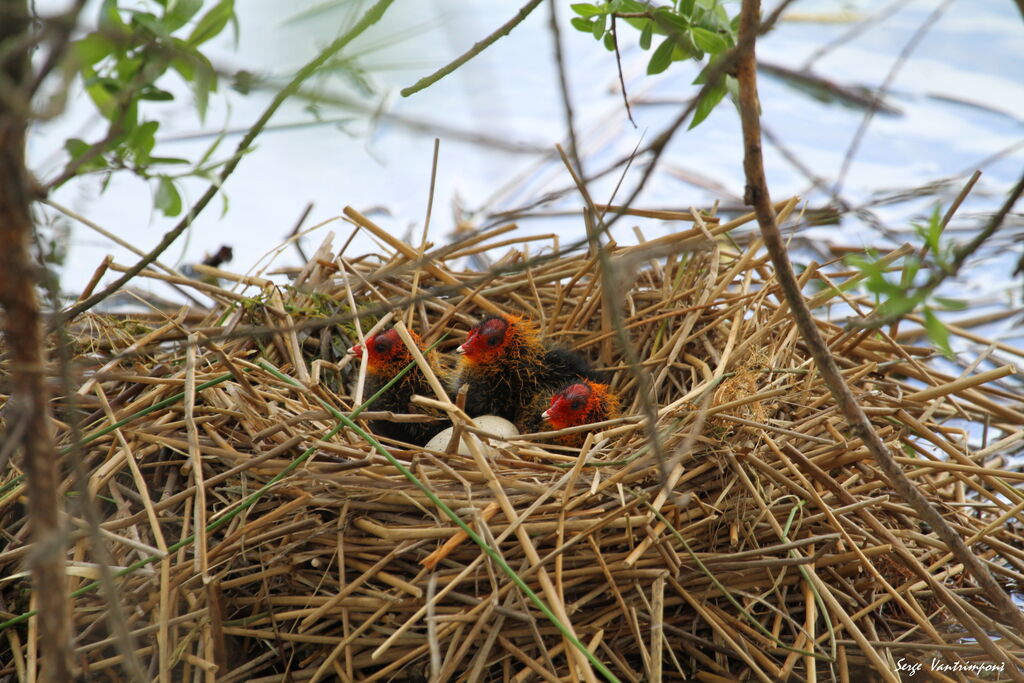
[910, 270]
[76, 147]
[662, 57]
[98, 91]
[708, 41]
[935, 231]
[244, 81]
[203, 84]
[155, 94]
[600, 23]
[128, 119]
[686, 48]
[167, 198]
[733, 86]
[179, 12]
[197, 71]
[581, 24]
[93, 48]
[707, 104]
[876, 282]
[935, 222]
[686, 8]
[937, 332]
[609, 41]
[897, 305]
[150, 23]
[126, 68]
[110, 19]
[645, 35]
[671, 22]
[585, 9]
[142, 140]
[185, 67]
[950, 304]
[234, 28]
[715, 20]
[212, 23]
[931, 235]
[722, 19]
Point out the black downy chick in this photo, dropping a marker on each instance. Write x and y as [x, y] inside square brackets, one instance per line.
[386, 357]
[506, 366]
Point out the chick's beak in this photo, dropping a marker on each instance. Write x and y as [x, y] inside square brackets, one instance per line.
[356, 350]
[546, 415]
[461, 350]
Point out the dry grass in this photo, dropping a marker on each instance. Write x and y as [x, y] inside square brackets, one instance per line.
[266, 541]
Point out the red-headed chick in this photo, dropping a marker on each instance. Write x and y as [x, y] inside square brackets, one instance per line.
[386, 356]
[506, 365]
[577, 404]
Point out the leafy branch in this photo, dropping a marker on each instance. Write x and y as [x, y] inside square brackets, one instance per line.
[122, 64]
[935, 263]
[691, 29]
[371, 17]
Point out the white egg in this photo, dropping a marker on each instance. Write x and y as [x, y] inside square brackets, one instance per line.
[499, 426]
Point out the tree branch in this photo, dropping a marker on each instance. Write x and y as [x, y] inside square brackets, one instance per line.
[563, 82]
[757, 195]
[26, 363]
[618, 66]
[477, 48]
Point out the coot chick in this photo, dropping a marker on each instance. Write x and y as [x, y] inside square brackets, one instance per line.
[386, 357]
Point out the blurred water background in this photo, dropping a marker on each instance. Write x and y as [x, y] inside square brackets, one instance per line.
[957, 99]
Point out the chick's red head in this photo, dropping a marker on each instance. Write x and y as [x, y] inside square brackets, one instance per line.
[573, 406]
[383, 350]
[488, 339]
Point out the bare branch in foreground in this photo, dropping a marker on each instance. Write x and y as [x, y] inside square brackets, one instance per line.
[757, 195]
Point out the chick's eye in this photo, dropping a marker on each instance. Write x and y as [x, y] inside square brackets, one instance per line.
[492, 341]
[380, 346]
[576, 405]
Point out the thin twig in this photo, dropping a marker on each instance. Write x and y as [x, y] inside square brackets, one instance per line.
[853, 32]
[883, 90]
[477, 48]
[622, 81]
[563, 86]
[295, 231]
[62, 26]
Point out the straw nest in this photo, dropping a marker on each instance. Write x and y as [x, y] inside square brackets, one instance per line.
[753, 539]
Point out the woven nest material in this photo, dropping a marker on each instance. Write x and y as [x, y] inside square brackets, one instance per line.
[743, 534]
